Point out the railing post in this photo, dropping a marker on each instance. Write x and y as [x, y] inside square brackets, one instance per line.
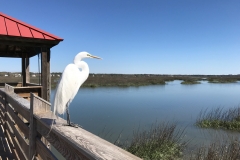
[33, 130]
[36, 106]
[9, 89]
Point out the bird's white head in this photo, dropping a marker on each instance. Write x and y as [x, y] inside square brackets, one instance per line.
[83, 55]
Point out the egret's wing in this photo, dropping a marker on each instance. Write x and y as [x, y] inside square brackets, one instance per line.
[67, 88]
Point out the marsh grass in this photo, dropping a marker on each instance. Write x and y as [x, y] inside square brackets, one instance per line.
[218, 150]
[162, 141]
[219, 118]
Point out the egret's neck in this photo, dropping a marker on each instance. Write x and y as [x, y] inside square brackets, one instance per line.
[77, 59]
[83, 66]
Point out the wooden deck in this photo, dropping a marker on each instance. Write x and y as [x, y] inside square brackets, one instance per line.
[5, 152]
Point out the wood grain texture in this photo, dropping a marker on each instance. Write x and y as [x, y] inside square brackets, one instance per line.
[27, 70]
[37, 105]
[43, 151]
[20, 105]
[33, 130]
[27, 87]
[2, 93]
[33, 84]
[3, 97]
[2, 101]
[15, 132]
[77, 143]
[2, 110]
[5, 151]
[15, 155]
[22, 118]
[12, 146]
[2, 105]
[20, 153]
[26, 95]
[40, 105]
[24, 69]
[14, 84]
[23, 127]
[9, 89]
[2, 120]
[25, 91]
[46, 80]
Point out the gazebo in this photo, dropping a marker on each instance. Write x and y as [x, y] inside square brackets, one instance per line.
[21, 40]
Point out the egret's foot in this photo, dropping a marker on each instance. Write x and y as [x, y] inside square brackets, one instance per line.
[72, 125]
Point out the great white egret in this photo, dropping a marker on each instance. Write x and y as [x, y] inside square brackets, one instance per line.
[71, 80]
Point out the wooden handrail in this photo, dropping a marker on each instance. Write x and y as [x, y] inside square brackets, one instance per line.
[26, 138]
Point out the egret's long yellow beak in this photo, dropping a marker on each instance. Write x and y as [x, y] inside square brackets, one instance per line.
[95, 57]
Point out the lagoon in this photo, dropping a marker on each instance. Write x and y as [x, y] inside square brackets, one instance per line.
[110, 111]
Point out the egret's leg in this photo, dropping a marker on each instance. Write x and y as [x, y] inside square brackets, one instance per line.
[68, 118]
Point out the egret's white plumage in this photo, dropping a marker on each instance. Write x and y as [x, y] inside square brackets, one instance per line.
[68, 87]
[71, 80]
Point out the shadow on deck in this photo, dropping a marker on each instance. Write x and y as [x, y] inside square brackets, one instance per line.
[5, 152]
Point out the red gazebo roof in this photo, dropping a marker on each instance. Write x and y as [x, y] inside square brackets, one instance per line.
[12, 27]
[19, 39]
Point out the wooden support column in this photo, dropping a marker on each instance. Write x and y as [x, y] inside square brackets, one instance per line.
[45, 70]
[27, 70]
[23, 71]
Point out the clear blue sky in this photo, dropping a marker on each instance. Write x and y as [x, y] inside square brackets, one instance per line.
[136, 36]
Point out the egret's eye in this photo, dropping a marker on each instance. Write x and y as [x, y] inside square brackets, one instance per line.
[88, 55]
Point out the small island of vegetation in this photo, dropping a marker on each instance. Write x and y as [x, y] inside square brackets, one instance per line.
[219, 118]
[190, 82]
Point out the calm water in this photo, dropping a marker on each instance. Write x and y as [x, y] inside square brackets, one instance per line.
[106, 111]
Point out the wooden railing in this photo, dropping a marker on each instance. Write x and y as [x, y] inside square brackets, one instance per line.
[19, 84]
[24, 91]
[27, 125]
[14, 84]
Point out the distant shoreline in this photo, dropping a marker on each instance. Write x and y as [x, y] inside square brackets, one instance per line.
[126, 80]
